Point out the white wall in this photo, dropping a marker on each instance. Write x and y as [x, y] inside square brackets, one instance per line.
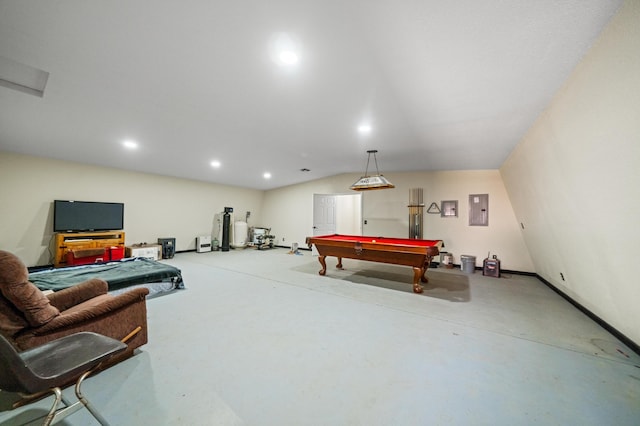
[387, 214]
[288, 211]
[574, 180]
[349, 214]
[155, 206]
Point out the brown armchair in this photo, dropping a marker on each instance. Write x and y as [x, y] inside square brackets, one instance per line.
[29, 318]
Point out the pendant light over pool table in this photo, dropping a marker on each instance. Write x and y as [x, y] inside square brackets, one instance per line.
[369, 183]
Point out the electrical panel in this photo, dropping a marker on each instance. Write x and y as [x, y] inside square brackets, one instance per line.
[479, 210]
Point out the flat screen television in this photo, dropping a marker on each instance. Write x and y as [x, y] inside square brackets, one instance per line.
[78, 216]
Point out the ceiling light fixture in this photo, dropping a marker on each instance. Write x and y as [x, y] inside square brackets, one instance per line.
[288, 57]
[129, 144]
[285, 50]
[369, 183]
[364, 129]
[267, 175]
[215, 164]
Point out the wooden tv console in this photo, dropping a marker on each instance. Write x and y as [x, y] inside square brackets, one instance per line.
[65, 242]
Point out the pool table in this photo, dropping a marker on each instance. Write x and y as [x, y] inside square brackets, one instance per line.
[398, 251]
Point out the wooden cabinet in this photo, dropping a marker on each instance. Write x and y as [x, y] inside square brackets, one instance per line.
[65, 242]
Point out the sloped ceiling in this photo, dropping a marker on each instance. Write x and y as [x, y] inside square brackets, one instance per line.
[444, 85]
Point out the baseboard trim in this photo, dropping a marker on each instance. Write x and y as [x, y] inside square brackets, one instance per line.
[509, 271]
[602, 323]
[480, 268]
[305, 248]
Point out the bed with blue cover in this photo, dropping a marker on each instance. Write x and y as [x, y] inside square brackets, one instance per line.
[121, 275]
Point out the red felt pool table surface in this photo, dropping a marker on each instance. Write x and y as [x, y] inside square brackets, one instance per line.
[400, 251]
[380, 240]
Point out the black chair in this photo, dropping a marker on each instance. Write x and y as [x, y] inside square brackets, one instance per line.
[50, 367]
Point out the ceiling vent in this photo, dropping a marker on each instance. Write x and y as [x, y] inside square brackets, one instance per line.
[21, 77]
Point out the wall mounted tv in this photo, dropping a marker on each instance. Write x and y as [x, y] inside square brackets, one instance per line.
[77, 216]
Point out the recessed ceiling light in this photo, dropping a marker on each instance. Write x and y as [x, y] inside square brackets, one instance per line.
[130, 144]
[267, 175]
[364, 129]
[215, 164]
[288, 57]
[284, 49]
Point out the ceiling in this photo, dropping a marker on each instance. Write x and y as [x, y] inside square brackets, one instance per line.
[444, 85]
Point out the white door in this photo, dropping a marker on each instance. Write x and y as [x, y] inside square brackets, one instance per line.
[333, 214]
[324, 214]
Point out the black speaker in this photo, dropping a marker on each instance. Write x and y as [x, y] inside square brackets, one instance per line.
[226, 222]
[168, 247]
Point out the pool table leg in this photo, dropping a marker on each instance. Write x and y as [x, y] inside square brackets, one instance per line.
[323, 264]
[424, 278]
[339, 265]
[418, 273]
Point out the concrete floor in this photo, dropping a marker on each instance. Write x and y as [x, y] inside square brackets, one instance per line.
[259, 338]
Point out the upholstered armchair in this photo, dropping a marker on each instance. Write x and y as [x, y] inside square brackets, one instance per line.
[29, 318]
